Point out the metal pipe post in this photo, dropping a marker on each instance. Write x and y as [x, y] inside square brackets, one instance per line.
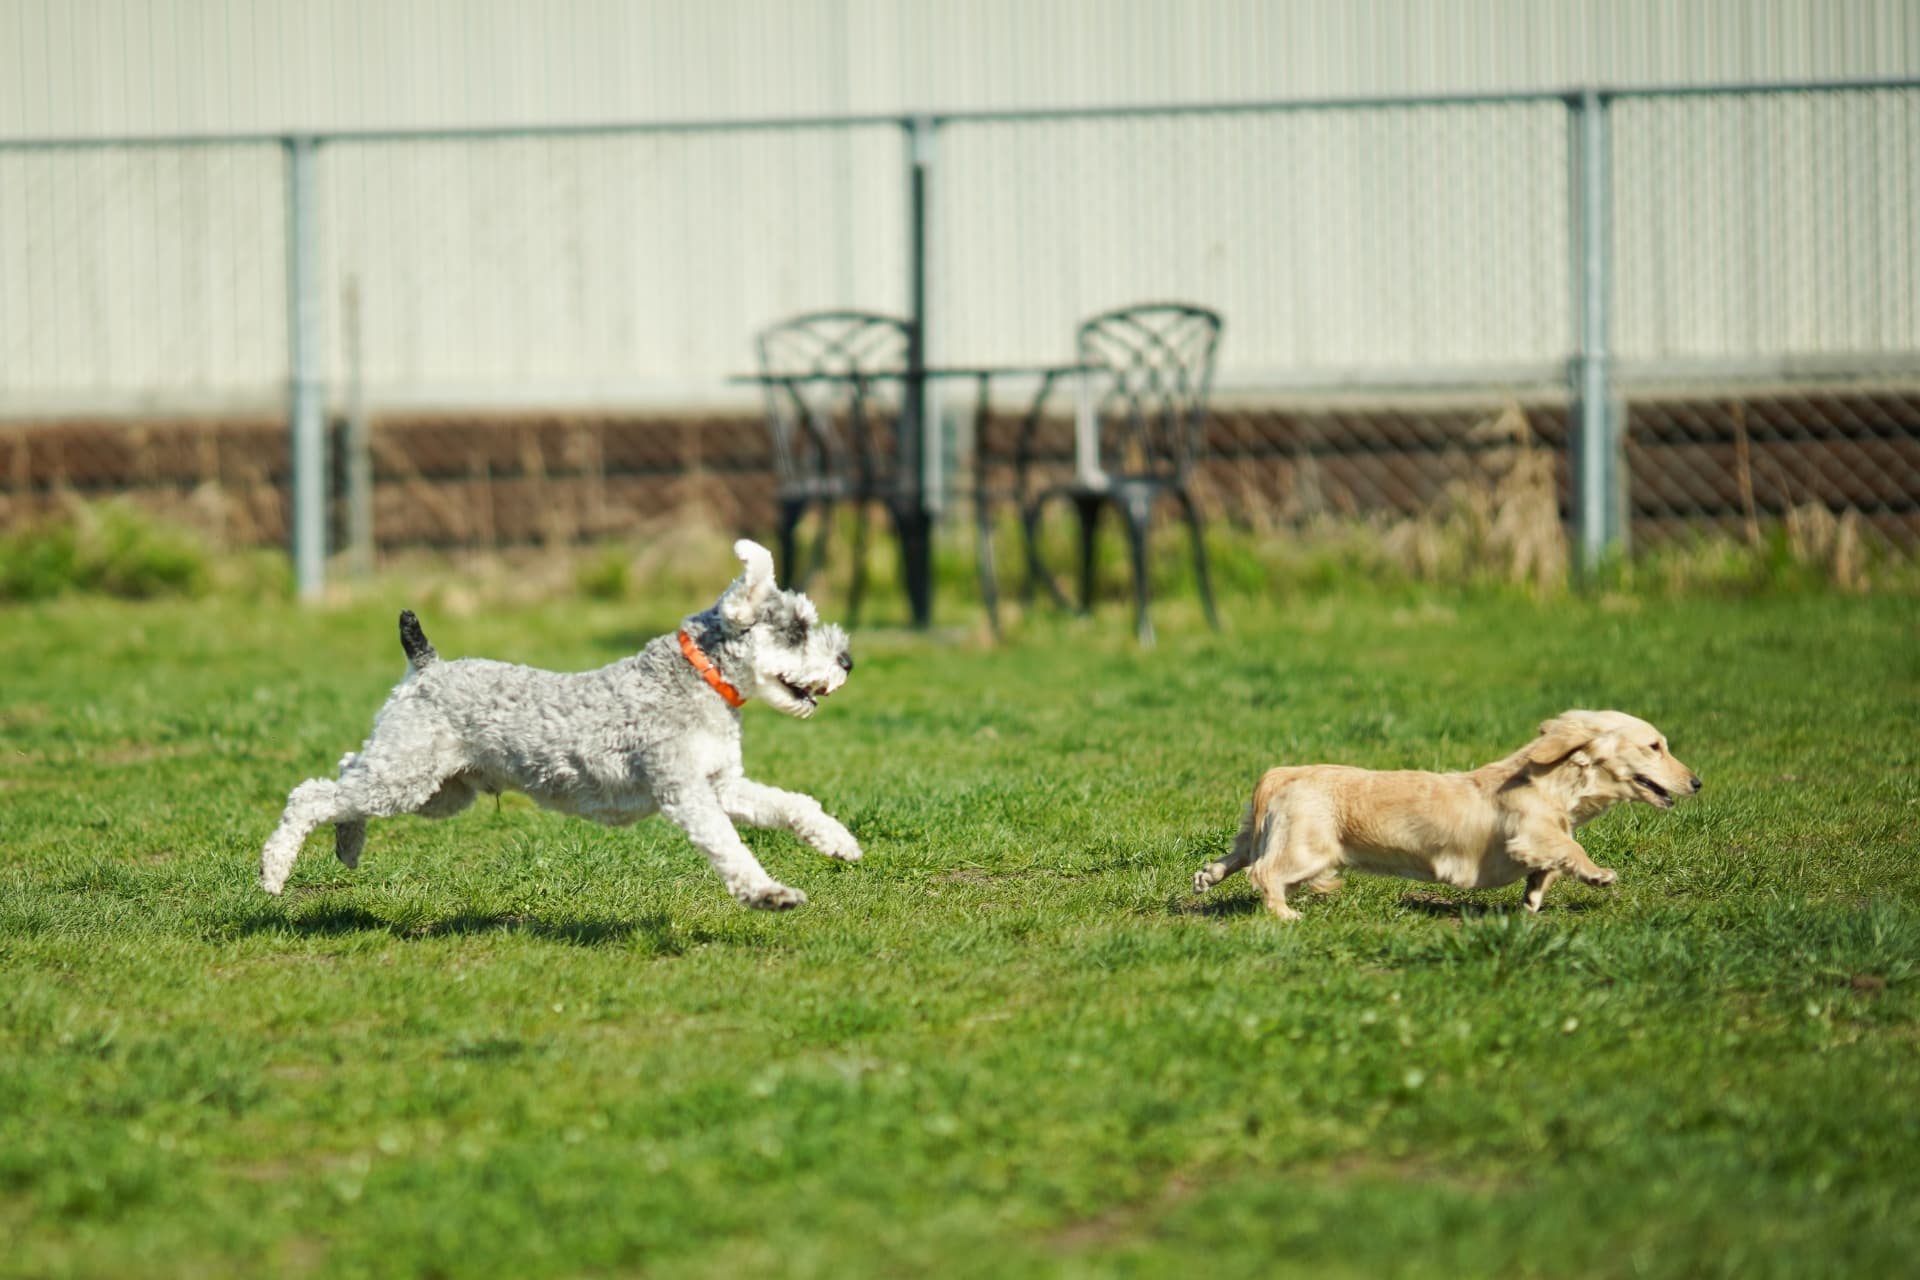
[1596, 452]
[359, 449]
[919, 426]
[921, 132]
[304, 374]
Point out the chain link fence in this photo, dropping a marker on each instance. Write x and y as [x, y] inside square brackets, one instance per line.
[1367, 244]
[1769, 315]
[526, 337]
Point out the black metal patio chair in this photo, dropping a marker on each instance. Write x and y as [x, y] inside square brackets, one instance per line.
[836, 406]
[1154, 372]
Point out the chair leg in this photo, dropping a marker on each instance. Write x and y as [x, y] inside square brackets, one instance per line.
[1030, 544]
[1138, 509]
[915, 527]
[857, 592]
[989, 582]
[821, 541]
[1199, 556]
[1036, 571]
[1088, 507]
[792, 512]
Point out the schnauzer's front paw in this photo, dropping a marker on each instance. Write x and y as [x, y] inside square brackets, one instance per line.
[838, 842]
[1600, 876]
[771, 897]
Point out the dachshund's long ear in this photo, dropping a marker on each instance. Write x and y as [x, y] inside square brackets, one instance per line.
[742, 601]
[1560, 737]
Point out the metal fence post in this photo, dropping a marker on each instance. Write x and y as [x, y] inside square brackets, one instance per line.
[357, 445]
[1596, 447]
[921, 131]
[304, 373]
[919, 427]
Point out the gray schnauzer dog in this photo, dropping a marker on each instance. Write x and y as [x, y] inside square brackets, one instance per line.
[656, 732]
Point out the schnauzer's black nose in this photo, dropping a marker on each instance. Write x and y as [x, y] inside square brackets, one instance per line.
[846, 662]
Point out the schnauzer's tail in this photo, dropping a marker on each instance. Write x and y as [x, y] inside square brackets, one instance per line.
[420, 651]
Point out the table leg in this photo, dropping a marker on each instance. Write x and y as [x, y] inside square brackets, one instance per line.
[913, 510]
[915, 526]
[1086, 434]
[1087, 507]
[983, 507]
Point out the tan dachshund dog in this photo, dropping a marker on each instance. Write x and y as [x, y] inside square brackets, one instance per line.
[1504, 821]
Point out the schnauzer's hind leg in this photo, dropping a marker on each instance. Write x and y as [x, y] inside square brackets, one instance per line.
[454, 794]
[350, 834]
[373, 784]
[313, 802]
[349, 838]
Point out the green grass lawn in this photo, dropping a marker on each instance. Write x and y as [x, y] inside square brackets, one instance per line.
[1008, 1043]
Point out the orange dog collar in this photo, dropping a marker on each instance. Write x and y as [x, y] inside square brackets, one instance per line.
[708, 672]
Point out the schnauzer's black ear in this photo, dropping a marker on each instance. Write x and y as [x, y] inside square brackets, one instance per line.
[743, 600]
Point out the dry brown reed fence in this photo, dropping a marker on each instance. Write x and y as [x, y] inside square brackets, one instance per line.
[1464, 482]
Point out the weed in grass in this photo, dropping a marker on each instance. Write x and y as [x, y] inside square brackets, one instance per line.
[604, 575]
[1496, 944]
[112, 548]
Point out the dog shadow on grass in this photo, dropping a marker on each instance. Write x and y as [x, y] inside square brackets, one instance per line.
[1443, 907]
[654, 933]
[1426, 904]
[1213, 907]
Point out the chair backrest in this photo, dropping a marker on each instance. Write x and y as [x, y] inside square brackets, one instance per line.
[1151, 399]
[834, 420]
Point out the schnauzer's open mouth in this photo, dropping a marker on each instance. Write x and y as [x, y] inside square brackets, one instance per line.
[1661, 797]
[811, 697]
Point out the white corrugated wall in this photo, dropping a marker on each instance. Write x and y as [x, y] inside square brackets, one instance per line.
[1353, 243]
[166, 66]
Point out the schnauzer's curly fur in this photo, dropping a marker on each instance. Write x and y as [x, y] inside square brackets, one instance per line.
[648, 733]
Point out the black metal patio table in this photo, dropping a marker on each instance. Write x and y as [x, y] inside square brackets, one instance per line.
[908, 498]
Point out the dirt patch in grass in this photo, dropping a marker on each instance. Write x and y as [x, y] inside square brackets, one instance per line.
[980, 875]
[1122, 1222]
[126, 753]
